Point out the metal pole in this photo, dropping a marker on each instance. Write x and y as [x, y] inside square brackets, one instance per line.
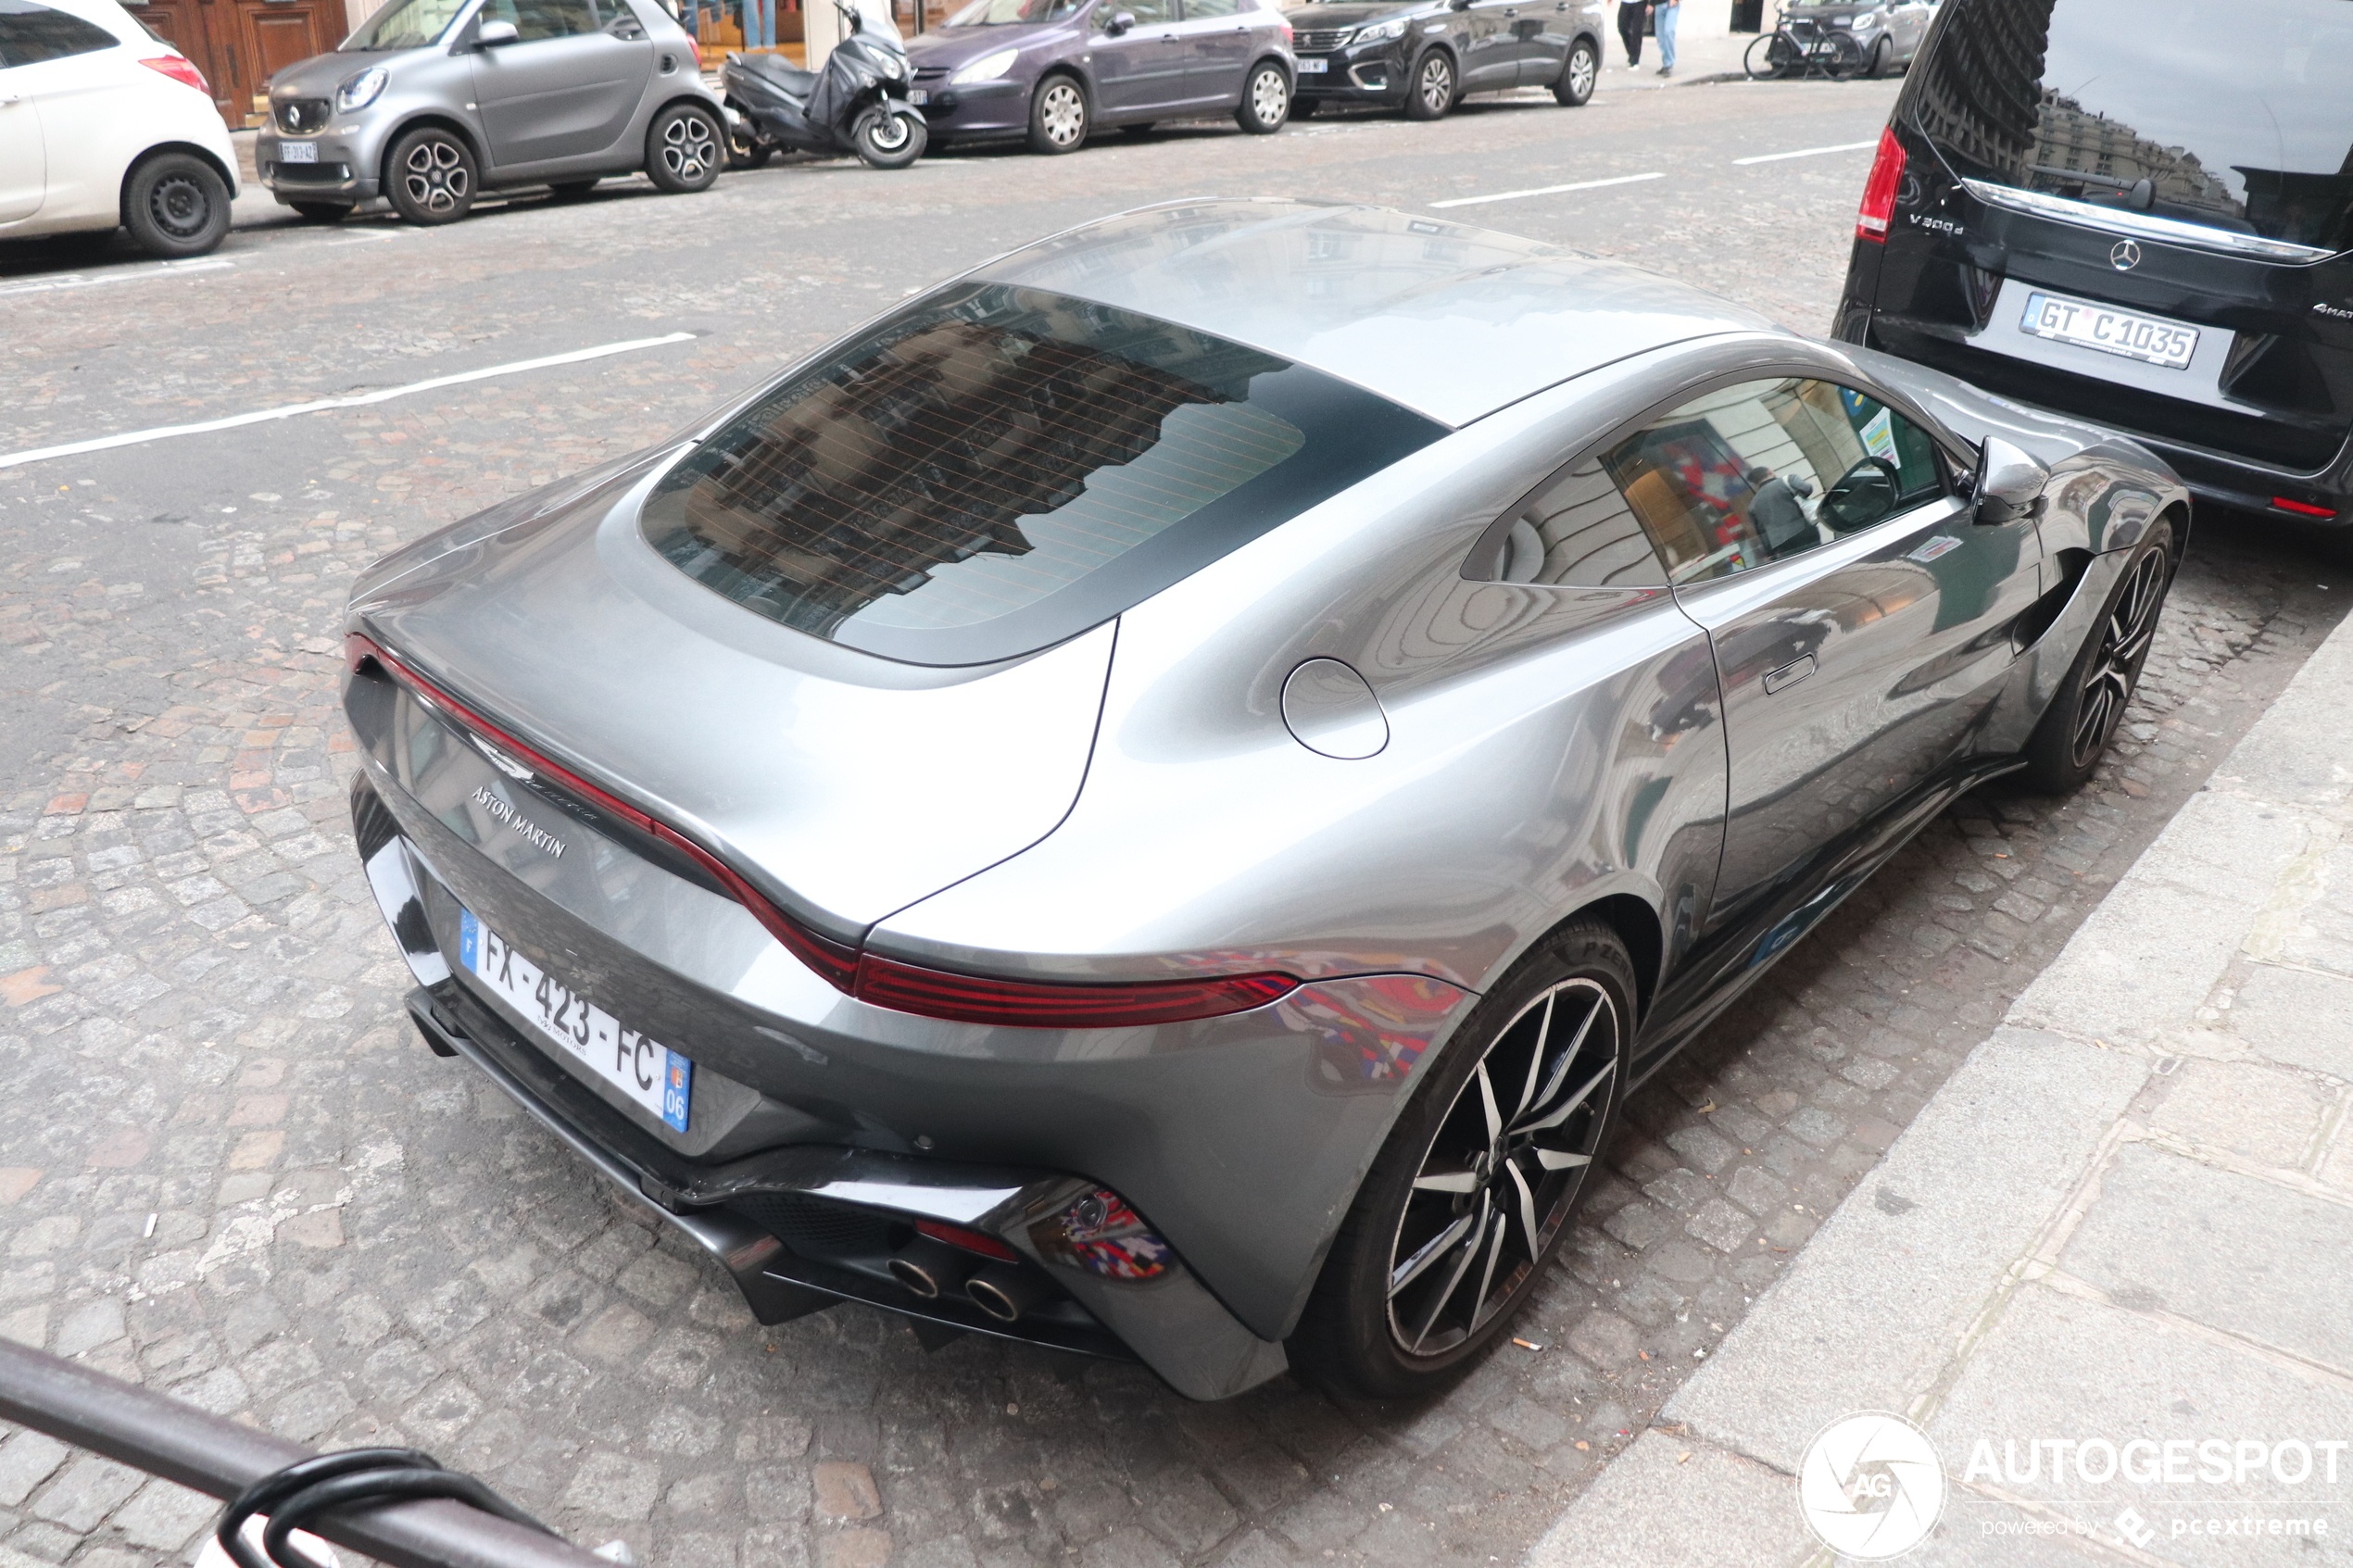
[162, 1436]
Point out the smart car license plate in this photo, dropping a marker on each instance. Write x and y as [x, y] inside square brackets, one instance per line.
[297, 152]
[652, 1074]
[1313, 67]
[2145, 338]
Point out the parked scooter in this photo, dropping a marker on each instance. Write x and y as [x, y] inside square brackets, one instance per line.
[856, 104]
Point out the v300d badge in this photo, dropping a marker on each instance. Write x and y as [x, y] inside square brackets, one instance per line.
[1170, 785]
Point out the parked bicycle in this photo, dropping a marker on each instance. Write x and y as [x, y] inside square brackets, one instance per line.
[1805, 47]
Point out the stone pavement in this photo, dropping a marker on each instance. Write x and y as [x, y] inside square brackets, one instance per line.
[2128, 1217]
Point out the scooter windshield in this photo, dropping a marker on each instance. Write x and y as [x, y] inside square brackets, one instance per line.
[876, 23]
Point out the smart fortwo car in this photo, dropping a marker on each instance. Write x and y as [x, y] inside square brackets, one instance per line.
[1156, 798]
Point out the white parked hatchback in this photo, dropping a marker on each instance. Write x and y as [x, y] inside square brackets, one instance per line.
[105, 126]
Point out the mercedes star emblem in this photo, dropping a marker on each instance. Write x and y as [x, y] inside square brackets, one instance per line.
[2125, 256]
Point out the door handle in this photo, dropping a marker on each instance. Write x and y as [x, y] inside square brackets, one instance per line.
[1788, 674]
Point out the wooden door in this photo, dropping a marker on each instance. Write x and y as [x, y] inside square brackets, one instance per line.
[273, 34]
[186, 25]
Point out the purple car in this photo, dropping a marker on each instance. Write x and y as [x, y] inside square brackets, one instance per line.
[1052, 70]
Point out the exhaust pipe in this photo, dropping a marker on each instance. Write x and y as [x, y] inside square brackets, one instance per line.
[930, 1269]
[1004, 1293]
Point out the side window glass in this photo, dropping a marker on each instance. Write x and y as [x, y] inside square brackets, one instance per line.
[1577, 532]
[543, 19]
[620, 20]
[1197, 9]
[1147, 13]
[30, 34]
[1764, 471]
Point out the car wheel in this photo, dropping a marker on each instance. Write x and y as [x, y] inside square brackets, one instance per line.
[1470, 1197]
[324, 212]
[1058, 116]
[176, 204]
[683, 149]
[887, 139]
[1882, 56]
[572, 189]
[2075, 730]
[432, 176]
[1432, 90]
[1265, 100]
[1579, 72]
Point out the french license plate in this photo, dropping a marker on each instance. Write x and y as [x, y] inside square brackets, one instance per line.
[919, 97]
[1313, 67]
[2145, 338]
[297, 152]
[650, 1073]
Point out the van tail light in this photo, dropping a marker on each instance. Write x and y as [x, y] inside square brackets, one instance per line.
[1879, 191]
[886, 982]
[2303, 508]
[179, 69]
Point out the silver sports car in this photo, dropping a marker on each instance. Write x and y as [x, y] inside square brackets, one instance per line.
[1156, 798]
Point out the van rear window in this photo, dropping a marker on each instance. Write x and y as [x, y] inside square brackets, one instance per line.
[993, 470]
[2237, 117]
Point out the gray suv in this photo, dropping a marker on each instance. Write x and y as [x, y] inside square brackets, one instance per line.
[433, 101]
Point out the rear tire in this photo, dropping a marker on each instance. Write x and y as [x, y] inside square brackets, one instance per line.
[886, 138]
[1465, 1205]
[2066, 746]
[1579, 73]
[1430, 89]
[1058, 116]
[323, 212]
[685, 146]
[176, 205]
[431, 177]
[1265, 100]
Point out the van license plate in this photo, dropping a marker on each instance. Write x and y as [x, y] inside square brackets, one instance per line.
[653, 1075]
[2145, 338]
[297, 152]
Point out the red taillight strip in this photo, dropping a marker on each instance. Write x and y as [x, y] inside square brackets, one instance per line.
[2302, 508]
[886, 982]
[970, 1240]
[1879, 191]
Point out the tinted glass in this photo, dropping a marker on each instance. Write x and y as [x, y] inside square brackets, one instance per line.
[1196, 10]
[542, 18]
[994, 13]
[1577, 532]
[992, 470]
[406, 24]
[1146, 12]
[30, 33]
[1768, 469]
[2238, 117]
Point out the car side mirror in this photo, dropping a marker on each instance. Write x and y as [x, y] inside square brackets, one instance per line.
[489, 35]
[1120, 22]
[2010, 484]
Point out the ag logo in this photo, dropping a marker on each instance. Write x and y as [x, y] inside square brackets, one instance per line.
[1872, 1486]
[2124, 256]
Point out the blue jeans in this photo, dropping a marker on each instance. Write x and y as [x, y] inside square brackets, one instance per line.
[1663, 18]
[760, 24]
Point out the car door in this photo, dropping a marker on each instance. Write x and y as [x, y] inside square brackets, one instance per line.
[1219, 45]
[1543, 30]
[1141, 69]
[1862, 622]
[566, 88]
[76, 92]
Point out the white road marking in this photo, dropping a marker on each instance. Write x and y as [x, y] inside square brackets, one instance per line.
[129, 275]
[1547, 190]
[1810, 152]
[384, 395]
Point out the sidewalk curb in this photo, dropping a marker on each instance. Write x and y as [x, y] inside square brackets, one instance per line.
[1912, 1274]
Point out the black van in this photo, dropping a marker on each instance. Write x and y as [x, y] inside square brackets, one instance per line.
[2139, 212]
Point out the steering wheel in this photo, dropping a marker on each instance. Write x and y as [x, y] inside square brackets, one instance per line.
[1864, 494]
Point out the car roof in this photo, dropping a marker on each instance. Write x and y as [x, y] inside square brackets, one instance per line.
[1451, 321]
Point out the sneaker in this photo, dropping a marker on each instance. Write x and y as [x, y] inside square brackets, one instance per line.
[1667, 70]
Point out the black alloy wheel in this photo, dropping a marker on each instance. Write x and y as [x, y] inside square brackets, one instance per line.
[1058, 116]
[683, 149]
[1431, 90]
[1265, 100]
[886, 138]
[2083, 719]
[431, 176]
[1579, 73]
[176, 205]
[323, 212]
[1472, 1193]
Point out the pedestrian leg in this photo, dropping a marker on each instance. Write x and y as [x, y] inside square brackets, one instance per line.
[1665, 15]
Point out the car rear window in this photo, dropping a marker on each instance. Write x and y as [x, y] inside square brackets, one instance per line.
[2238, 117]
[30, 34]
[992, 470]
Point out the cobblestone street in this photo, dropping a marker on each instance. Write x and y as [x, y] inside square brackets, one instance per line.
[232, 1171]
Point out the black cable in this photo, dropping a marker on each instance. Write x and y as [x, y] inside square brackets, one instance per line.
[290, 1497]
